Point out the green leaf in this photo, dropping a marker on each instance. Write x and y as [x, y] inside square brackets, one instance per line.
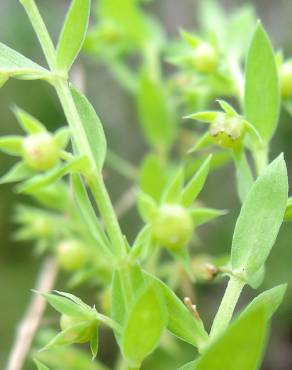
[227, 108]
[181, 322]
[144, 326]
[73, 34]
[173, 190]
[241, 345]
[270, 300]
[261, 95]
[11, 145]
[14, 64]
[40, 365]
[203, 142]
[87, 212]
[94, 344]
[156, 113]
[92, 126]
[189, 366]
[202, 215]
[195, 185]
[62, 137]
[260, 219]
[39, 181]
[146, 206]
[65, 305]
[29, 123]
[257, 278]
[20, 171]
[244, 175]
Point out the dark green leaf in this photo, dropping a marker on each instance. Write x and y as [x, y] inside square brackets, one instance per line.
[73, 34]
[262, 96]
[260, 219]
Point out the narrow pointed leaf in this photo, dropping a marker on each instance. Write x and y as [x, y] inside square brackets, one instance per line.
[261, 95]
[40, 366]
[195, 185]
[73, 34]
[11, 145]
[14, 64]
[260, 219]
[207, 117]
[92, 127]
[94, 344]
[147, 206]
[203, 142]
[30, 124]
[227, 108]
[144, 327]
[65, 305]
[181, 322]
[202, 215]
[172, 192]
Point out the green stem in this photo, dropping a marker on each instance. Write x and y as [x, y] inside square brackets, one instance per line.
[41, 31]
[227, 306]
[261, 158]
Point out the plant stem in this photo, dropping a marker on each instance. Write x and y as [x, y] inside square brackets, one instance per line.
[227, 306]
[261, 159]
[41, 31]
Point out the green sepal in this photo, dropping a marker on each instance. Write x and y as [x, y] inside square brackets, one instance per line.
[227, 108]
[173, 190]
[147, 206]
[203, 215]
[11, 145]
[94, 343]
[20, 171]
[203, 142]
[62, 137]
[79, 164]
[30, 124]
[191, 39]
[195, 185]
[206, 117]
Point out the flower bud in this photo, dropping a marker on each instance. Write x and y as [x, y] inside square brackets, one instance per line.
[71, 255]
[227, 132]
[172, 226]
[205, 58]
[286, 80]
[80, 335]
[40, 151]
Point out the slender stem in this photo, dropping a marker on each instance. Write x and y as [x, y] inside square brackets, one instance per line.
[41, 31]
[261, 158]
[227, 306]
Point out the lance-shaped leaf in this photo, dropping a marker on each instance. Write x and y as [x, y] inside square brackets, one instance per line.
[14, 64]
[203, 142]
[40, 366]
[270, 300]
[20, 171]
[144, 326]
[73, 34]
[195, 185]
[261, 95]
[181, 322]
[156, 113]
[94, 342]
[202, 215]
[11, 145]
[78, 164]
[67, 306]
[239, 348]
[87, 212]
[30, 124]
[260, 219]
[92, 127]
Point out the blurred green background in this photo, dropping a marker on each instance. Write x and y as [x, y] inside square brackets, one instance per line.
[18, 265]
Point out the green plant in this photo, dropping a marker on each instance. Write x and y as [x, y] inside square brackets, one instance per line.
[139, 277]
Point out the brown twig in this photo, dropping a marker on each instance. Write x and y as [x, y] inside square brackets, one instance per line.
[30, 322]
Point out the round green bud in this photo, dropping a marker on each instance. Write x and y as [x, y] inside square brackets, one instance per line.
[71, 255]
[286, 80]
[227, 132]
[205, 58]
[40, 151]
[172, 226]
[77, 335]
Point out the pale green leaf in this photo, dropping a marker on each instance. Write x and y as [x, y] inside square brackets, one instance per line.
[260, 219]
[40, 366]
[202, 215]
[144, 326]
[262, 95]
[20, 171]
[65, 306]
[92, 126]
[203, 142]
[73, 34]
[62, 137]
[11, 145]
[146, 206]
[173, 191]
[195, 185]
[207, 117]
